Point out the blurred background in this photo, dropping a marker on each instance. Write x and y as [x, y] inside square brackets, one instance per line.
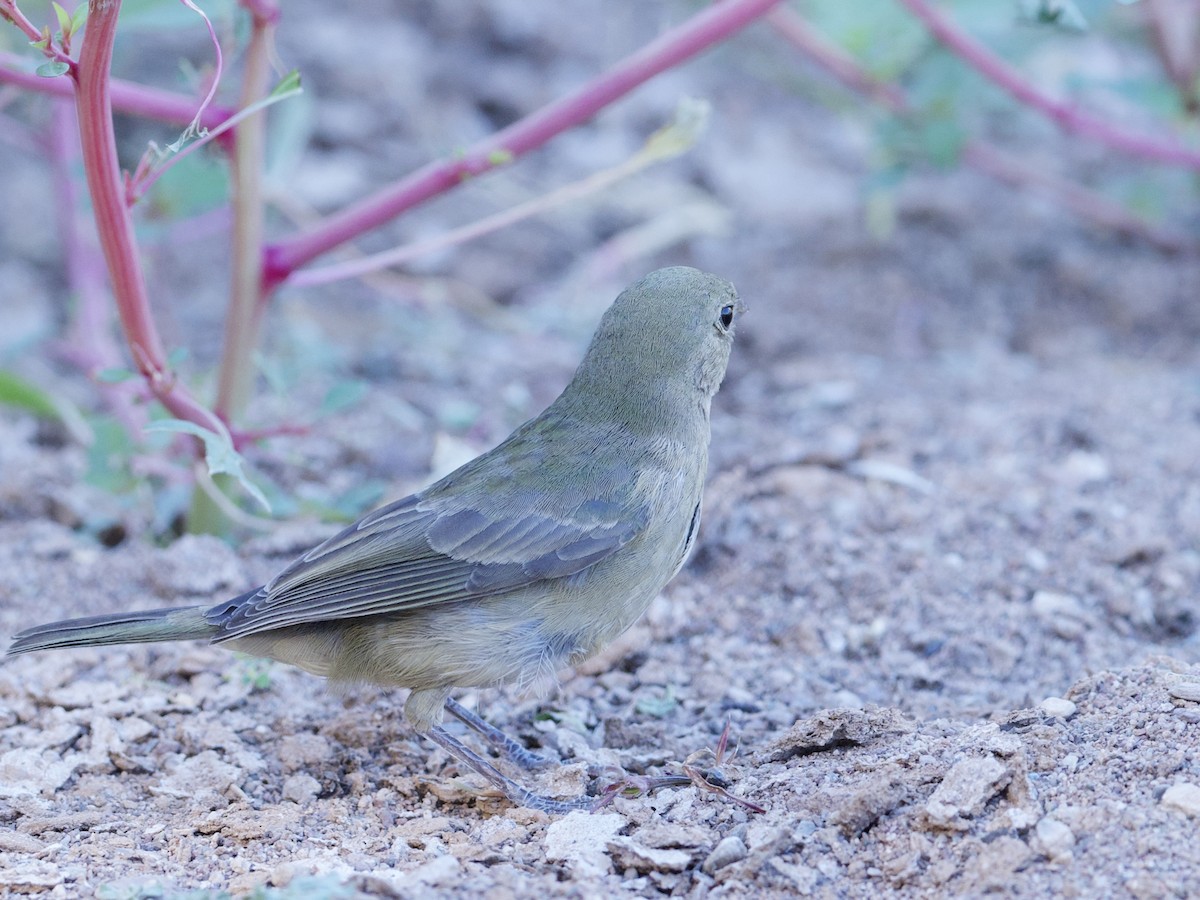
[956, 461]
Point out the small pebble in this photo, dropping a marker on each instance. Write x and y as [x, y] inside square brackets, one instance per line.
[1057, 707]
[1186, 690]
[1063, 614]
[730, 850]
[301, 788]
[1056, 838]
[1184, 797]
[1082, 467]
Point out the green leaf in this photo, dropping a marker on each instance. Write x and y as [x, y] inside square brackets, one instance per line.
[942, 141]
[1062, 14]
[64, 19]
[658, 706]
[53, 69]
[19, 393]
[219, 454]
[881, 213]
[108, 457]
[288, 84]
[79, 18]
[343, 395]
[195, 185]
[681, 133]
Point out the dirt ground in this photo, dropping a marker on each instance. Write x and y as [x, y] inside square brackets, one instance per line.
[945, 592]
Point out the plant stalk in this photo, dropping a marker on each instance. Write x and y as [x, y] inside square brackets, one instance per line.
[714, 24]
[114, 224]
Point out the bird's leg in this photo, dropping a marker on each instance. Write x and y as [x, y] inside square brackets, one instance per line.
[511, 748]
[513, 791]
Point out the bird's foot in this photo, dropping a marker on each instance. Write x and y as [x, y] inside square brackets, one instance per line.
[510, 748]
[519, 795]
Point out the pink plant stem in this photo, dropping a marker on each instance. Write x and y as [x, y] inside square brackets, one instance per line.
[841, 65]
[706, 28]
[9, 11]
[996, 70]
[264, 12]
[136, 99]
[89, 343]
[1084, 203]
[980, 155]
[113, 222]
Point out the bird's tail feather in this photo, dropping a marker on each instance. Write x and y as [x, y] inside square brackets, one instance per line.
[177, 624]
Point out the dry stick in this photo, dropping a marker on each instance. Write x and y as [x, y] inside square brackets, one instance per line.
[1000, 73]
[243, 320]
[113, 221]
[666, 143]
[714, 24]
[979, 154]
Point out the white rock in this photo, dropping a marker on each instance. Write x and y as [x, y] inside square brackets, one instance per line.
[1051, 603]
[1184, 797]
[731, 849]
[631, 854]
[1057, 707]
[439, 870]
[1056, 839]
[1185, 690]
[189, 776]
[30, 877]
[297, 751]
[582, 839]
[1083, 467]
[301, 788]
[965, 790]
[27, 772]
[1062, 613]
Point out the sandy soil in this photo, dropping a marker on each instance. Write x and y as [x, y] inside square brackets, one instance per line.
[946, 589]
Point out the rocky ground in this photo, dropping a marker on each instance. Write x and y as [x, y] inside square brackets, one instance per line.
[945, 594]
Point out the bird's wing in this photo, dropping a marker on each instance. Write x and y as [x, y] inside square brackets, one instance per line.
[436, 547]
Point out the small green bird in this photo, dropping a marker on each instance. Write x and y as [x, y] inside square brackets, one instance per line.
[529, 558]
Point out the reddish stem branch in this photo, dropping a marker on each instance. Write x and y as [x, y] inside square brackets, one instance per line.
[714, 24]
[837, 62]
[982, 156]
[1082, 202]
[136, 99]
[89, 343]
[113, 222]
[10, 12]
[1000, 73]
[264, 12]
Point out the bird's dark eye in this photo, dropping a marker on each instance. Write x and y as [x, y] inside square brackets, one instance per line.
[726, 316]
